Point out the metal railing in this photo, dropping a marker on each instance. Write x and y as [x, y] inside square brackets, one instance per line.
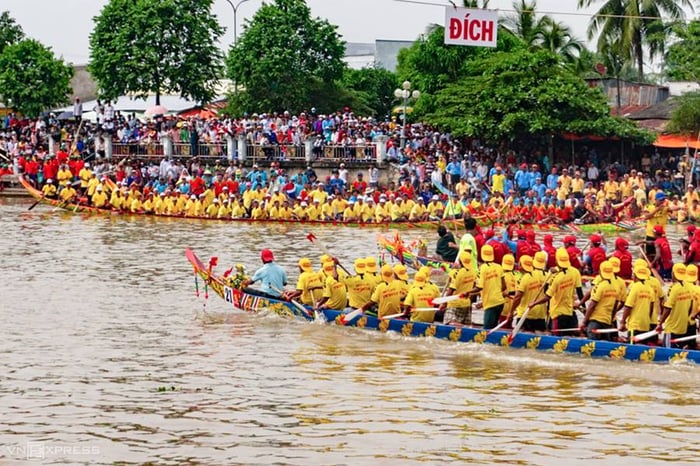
[141, 149]
[213, 149]
[272, 152]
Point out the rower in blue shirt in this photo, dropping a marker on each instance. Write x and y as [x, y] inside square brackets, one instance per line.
[271, 276]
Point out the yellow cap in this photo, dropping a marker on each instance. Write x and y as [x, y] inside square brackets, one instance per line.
[360, 265]
[400, 271]
[615, 261]
[487, 253]
[563, 258]
[640, 263]
[420, 278]
[526, 263]
[425, 270]
[371, 264]
[607, 270]
[508, 262]
[325, 258]
[328, 266]
[465, 257]
[540, 260]
[641, 271]
[691, 273]
[305, 264]
[679, 271]
[387, 273]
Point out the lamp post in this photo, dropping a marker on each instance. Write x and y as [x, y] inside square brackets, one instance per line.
[405, 93]
[235, 6]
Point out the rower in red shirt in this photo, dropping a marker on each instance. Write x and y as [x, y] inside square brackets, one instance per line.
[693, 254]
[550, 250]
[663, 260]
[532, 243]
[621, 252]
[574, 252]
[596, 254]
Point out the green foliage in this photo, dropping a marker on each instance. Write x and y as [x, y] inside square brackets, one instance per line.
[683, 57]
[10, 31]
[635, 25]
[283, 54]
[371, 90]
[156, 46]
[686, 116]
[521, 94]
[32, 79]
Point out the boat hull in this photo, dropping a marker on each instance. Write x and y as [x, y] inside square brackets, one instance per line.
[582, 347]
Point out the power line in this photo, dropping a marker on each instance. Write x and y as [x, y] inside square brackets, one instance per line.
[559, 13]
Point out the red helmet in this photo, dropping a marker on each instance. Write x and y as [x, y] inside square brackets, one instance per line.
[659, 229]
[595, 238]
[570, 239]
[621, 243]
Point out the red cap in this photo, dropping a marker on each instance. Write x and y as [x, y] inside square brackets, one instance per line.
[523, 165]
[521, 233]
[621, 243]
[548, 239]
[266, 255]
[488, 234]
[659, 229]
[569, 239]
[691, 229]
[595, 239]
[530, 234]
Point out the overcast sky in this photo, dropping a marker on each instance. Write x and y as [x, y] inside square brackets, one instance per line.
[66, 24]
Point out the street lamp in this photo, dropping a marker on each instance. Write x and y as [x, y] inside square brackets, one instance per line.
[235, 6]
[405, 93]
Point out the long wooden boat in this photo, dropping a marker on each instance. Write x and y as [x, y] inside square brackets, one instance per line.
[248, 301]
[82, 208]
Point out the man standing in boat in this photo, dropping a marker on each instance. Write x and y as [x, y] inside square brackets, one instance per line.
[272, 277]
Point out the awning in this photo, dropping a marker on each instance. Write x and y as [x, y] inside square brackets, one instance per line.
[587, 137]
[676, 141]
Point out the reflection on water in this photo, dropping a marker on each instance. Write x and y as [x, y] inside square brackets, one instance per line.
[107, 356]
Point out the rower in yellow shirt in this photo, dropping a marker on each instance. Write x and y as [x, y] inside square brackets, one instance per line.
[67, 193]
[603, 304]
[238, 210]
[359, 286]
[461, 282]
[530, 285]
[349, 213]
[420, 296]
[84, 174]
[309, 286]
[335, 293]
[136, 205]
[511, 282]
[313, 211]
[640, 299]
[491, 286]
[498, 181]
[257, 212]
[327, 210]
[418, 213]
[212, 211]
[398, 213]
[381, 212]
[299, 211]
[387, 295]
[49, 189]
[99, 198]
[677, 308]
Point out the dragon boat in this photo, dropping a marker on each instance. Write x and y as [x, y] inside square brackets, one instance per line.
[80, 206]
[250, 301]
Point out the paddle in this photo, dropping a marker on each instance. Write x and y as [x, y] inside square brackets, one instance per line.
[688, 338]
[345, 320]
[653, 269]
[498, 327]
[521, 321]
[392, 316]
[645, 335]
[311, 237]
[37, 202]
[605, 330]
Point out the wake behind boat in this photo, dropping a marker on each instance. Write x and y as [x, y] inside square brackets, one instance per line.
[251, 301]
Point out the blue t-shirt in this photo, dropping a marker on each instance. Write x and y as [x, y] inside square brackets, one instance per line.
[270, 276]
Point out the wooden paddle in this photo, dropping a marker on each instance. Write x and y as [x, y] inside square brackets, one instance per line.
[311, 237]
[296, 304]
[37, 202]
[688, 338]
[498, 327]
[521, 321]
[645, 335]
[653, 269]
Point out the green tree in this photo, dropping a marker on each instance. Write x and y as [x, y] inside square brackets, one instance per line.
[371, 90]
[32, 79]
[284, 56]
[156, 46]
[637, 24]
[683, 57]
[685, 118]
[521, 94]
[10, 31]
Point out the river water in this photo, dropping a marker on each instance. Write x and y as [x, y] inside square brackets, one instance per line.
[107, 357]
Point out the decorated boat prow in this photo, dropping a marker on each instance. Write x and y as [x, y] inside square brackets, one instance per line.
[250, 301]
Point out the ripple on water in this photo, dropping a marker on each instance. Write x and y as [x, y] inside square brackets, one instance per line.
[106, 348]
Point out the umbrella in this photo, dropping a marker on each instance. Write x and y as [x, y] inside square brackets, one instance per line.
[156, 110]
[65, 116]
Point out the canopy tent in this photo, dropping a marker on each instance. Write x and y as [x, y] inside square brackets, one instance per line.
[198, 112]
[677, 141]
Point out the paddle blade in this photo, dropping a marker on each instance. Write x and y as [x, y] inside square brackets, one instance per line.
[645, 335]
[347, 318]
[446, 299]
[311, 237]
[605, 330]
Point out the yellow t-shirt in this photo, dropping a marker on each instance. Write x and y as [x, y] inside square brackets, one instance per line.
[420, 297]
[577, 186]
[49, 190]
[336, 292]
[659, 216]
[680, 300]
[561, 292]
[360, 289]
[498, 183]
[640, 301]
[99, 199]
[489, 281]
[606, 294]
[462, 281]
[511, 286]
[388, 297]
[530, 286]
[311, 287]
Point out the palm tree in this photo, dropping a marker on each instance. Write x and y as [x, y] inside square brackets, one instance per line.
[558, 38]
[637, 24]
[524, 23]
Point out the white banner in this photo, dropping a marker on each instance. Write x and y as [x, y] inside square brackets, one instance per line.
[467, 26]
